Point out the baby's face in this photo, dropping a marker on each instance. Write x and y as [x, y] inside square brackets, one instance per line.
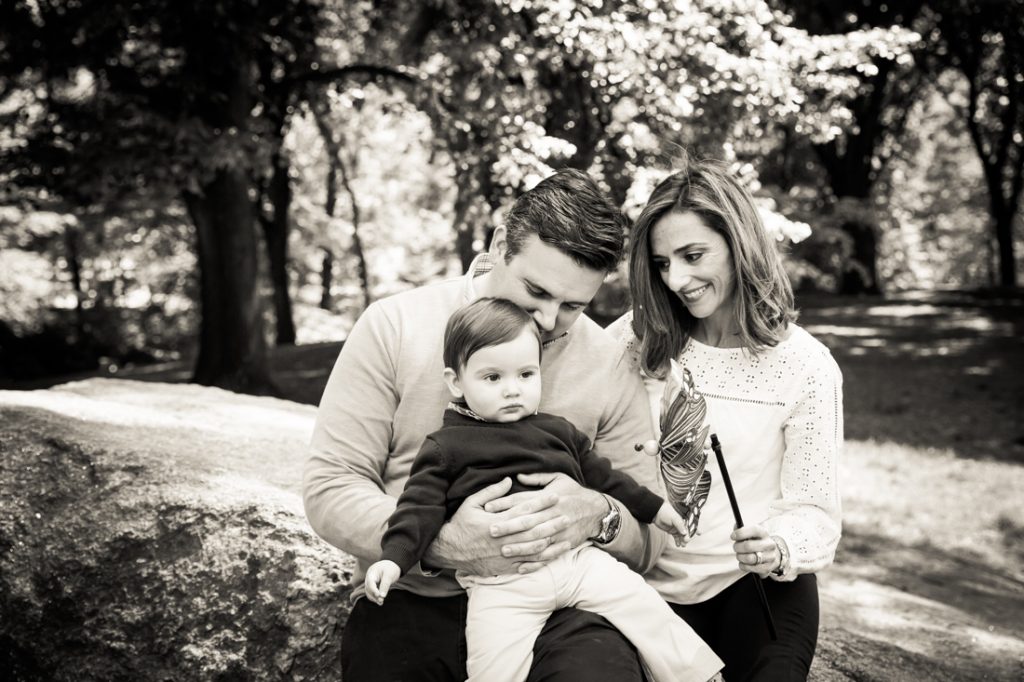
[502, 383]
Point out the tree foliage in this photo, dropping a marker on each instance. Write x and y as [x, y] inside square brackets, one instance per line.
[324, 153]
[188, 98]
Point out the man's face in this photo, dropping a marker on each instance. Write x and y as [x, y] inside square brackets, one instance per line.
[545, 282]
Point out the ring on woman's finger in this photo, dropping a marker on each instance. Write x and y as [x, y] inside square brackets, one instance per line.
[759, 557]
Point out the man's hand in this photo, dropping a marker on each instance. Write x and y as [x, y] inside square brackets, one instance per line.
[465, 542]
[538, 526]
[380, 576]
[493, 534]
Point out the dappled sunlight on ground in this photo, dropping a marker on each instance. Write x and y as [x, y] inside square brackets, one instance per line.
[935, 370]
[913, 495]
[907, 330]
[930, 559]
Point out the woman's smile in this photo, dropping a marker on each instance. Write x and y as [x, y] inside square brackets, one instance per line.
[694, 294]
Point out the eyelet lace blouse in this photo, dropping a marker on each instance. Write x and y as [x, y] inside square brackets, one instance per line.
[779, 417]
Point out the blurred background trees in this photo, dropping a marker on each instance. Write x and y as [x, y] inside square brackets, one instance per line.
[201, 179]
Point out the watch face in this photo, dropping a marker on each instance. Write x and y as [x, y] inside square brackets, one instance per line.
[609, 526]
[613, 525]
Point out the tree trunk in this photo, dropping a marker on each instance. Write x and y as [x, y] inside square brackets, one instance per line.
[275, 233]
[337, 170]
[326, 280]
[851, 174]
[575, 111]
[232, 351]
[1004, 238]
[357, 240]
[473, 205]
[468, 195]
[994, 113]
[71, 250]
[854, 162]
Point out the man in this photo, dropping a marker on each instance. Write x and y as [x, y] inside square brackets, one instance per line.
[386, 393]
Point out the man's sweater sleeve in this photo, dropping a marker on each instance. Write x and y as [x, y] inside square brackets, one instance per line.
[343, 488]
[598, 474]
[421, 508]
[626, 420]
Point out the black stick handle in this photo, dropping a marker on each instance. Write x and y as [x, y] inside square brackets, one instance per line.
[765, 609]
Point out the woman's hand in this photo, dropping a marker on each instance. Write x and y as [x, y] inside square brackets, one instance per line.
[755, 550]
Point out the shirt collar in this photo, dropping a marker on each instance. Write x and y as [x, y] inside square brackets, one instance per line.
[463, 409]
[481, 265]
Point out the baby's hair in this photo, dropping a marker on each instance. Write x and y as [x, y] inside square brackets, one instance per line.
[483, 323]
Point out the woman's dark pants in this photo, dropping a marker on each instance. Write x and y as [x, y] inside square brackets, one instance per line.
[732, 624]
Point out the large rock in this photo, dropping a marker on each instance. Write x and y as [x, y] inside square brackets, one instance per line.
[155, 531]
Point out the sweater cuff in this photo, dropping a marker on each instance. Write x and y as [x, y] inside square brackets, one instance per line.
[646, 507]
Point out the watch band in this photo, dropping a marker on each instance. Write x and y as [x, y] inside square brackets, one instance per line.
[609, 524]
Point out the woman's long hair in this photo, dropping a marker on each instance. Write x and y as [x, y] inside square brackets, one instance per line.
[763, 299]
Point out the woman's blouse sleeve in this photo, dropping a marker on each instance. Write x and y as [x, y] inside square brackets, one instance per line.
[808, 516]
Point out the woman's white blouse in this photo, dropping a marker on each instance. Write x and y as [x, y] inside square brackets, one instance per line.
[779, 417]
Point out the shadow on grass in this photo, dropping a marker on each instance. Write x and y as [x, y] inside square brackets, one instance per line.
[992, 596]
[938, 370]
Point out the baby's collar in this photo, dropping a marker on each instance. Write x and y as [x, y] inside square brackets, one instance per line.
[463, 409]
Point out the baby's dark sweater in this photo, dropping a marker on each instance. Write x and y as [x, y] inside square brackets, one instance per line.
[467, 454]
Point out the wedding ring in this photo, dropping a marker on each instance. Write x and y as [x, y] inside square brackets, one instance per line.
[760, 559]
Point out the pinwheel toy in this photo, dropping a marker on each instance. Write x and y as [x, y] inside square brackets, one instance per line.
[683, 447]
[682, 457]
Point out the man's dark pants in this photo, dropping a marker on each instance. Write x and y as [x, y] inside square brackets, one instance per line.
[412, 639]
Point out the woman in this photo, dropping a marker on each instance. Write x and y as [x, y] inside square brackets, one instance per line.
[709, 290]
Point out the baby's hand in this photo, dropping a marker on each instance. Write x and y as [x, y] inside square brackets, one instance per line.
[669, 520]
[379, 579]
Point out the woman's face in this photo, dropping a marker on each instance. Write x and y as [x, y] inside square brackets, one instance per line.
[695, 263]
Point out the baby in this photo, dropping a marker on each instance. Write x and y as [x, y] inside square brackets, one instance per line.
[492, 355]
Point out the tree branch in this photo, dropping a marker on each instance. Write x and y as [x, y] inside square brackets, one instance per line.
[399, 73]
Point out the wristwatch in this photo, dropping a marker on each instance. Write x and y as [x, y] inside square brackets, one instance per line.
[783, 557]
[609, 525]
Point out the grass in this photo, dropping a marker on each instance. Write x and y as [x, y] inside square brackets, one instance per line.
[940, 371]
[933, 465]
[934, 409]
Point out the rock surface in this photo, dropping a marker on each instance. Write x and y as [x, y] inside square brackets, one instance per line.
[155, 532]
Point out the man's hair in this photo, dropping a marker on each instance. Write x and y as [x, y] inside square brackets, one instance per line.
[763, 300]
[569, 211]
[484, 323]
